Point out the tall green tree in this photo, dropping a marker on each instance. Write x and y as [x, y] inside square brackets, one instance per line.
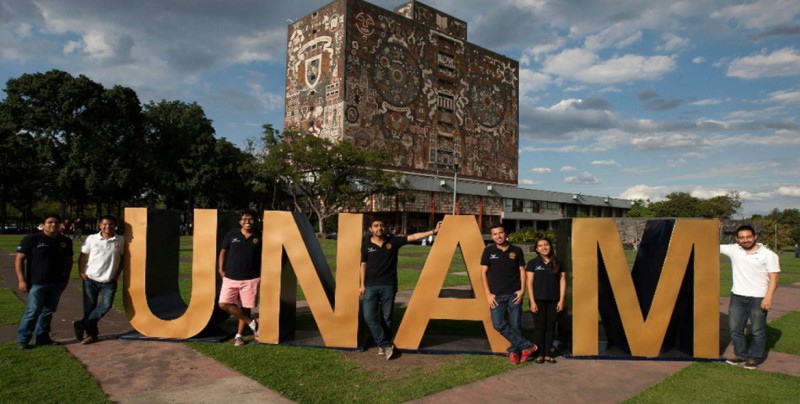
[56, 109]
[324, 178]
[682, 204]
[181, 141]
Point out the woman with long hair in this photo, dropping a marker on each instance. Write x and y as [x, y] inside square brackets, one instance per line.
[547, 288]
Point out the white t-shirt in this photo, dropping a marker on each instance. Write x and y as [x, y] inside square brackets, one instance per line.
[751, 270]
[104, 256]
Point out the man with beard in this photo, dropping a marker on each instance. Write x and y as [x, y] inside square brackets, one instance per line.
[755, 278]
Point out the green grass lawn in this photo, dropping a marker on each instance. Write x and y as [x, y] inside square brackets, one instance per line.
[11, 307]
[313, 375]
[783, 334]
[45, 375]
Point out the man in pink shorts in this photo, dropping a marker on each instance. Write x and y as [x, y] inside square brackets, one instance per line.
[240, 268]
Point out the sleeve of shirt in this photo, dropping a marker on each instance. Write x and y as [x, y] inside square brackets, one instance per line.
[24, 246]
[485, 257]
[399, 241]
[85, 248]
[364, 252]
[530, 266]
[226, 242]
[773, 263]
[726, 249]
[69, 251]
[520, 257]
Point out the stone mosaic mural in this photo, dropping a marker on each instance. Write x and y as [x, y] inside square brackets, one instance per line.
[407, 82]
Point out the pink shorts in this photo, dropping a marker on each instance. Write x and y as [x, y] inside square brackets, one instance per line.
[242, 293]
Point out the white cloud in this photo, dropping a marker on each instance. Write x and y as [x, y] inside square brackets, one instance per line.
[672, 42]
[669, 141]
[646, 192]
[568, 169]
[780, 63]
[786, 96]
[707, 101]
[611, 162]
[526, 181]
[698, 60]
[540, 170]
[790, 190]
[583, 178]
[582, 65]
[531, 81]
[761, 14]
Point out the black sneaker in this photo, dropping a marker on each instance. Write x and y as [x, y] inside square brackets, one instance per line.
[77, 326]
[735, 361]
[751, 364]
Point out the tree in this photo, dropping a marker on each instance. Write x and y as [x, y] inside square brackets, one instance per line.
[180, 138]
[324, 178]
[56, 108]
[682, 204]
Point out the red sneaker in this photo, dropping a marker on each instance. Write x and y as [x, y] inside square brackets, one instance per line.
[527, 353]
[513, 357]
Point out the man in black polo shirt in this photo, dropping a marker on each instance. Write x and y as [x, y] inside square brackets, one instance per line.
[503, 272]
[379, 281]
[240, 268]
[42, 264]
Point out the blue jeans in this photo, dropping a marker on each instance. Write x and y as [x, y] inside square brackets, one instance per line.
[39, 308]
[741, 308]
[94, 310]
[510, 329]
[379, 297]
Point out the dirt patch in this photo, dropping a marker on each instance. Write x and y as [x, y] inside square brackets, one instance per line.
[402, 364]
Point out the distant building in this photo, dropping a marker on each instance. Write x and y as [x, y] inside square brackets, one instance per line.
[409, 82]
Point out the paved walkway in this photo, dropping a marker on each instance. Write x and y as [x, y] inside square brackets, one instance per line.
[141, 371]
[161, 372]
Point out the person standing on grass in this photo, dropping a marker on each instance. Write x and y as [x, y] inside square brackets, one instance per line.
[755, 277]
[42, 264]
[240, 268]
[378, 285]
[503, 272]
[99, 265]
[547, 290]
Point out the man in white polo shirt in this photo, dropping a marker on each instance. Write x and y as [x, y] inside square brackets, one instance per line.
[100, 265]
[755, 278]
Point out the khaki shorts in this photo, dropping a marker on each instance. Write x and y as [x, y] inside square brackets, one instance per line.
[242, 293]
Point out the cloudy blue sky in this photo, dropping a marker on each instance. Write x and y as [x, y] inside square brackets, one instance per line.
[626, 98]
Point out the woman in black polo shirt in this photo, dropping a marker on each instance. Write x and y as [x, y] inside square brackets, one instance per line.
[547, 288]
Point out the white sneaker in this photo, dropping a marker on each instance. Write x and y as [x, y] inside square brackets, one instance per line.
[389, 352]
[381, 351]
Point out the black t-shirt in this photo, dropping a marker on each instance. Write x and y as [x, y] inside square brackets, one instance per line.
[546, 283]
[503, 274]
[243, 259]
[381, 261]
[46, 258]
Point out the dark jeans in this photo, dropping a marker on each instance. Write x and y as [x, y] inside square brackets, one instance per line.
[378, 305]
[39, 308]
[511, 329]
[544, 325]
[741, 308]
[93, 309]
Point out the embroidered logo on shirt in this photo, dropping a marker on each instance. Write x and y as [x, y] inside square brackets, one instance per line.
[255, 241]
[512, 255]
[41, 245]
[388, 246]
[235, 240]
[370, 249]
[493, 256]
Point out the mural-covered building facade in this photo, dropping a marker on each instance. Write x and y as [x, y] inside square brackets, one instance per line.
[408, 81]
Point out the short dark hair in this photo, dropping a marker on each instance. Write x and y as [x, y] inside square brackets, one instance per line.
[110, 218]
[49, 215]
[745, 227]
[500, 225]
[248, 212]
[376, 219]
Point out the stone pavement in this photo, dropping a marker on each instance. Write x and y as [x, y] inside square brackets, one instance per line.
[163, 372]
[141, 371]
